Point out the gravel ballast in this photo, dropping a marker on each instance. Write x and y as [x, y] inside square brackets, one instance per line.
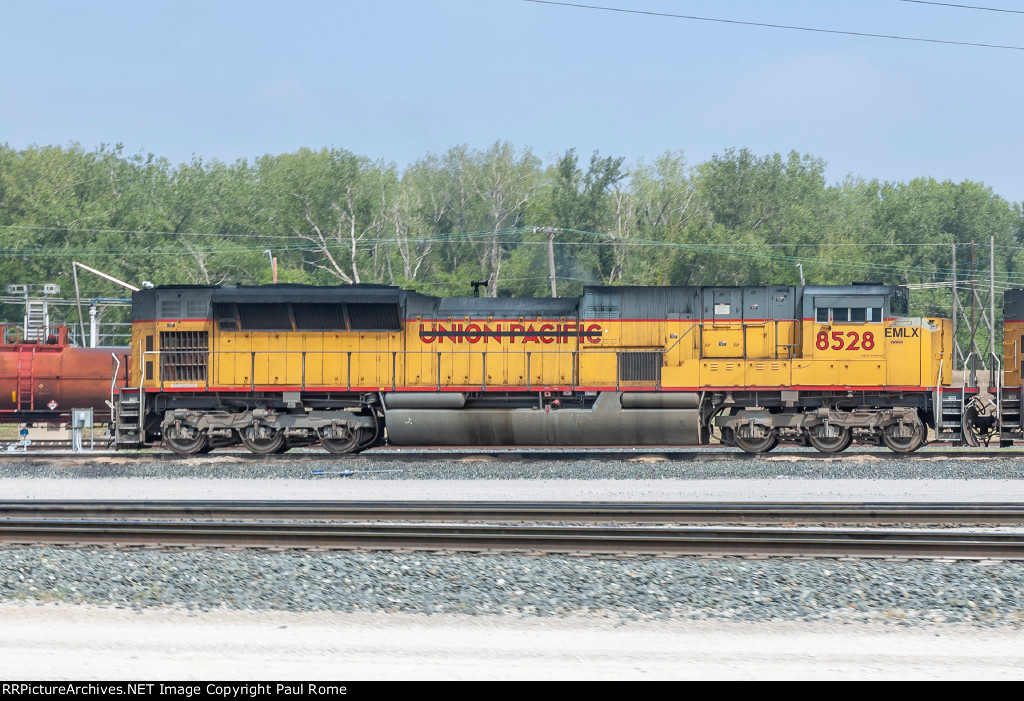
[986, 593]
[480, 467]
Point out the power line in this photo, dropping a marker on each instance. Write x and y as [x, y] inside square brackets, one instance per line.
[748, 251]
[294, 242]
[73, 229]
[966, 7]
[774, 26]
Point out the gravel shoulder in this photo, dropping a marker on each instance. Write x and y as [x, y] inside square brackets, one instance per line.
[55, 642]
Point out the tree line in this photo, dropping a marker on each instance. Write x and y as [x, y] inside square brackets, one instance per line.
[331, 217]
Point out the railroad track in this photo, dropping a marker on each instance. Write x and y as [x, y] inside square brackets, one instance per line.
[52, 525]
[521, 454]
[691, 513]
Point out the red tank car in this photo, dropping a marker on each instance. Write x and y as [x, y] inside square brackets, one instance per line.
[44, 380]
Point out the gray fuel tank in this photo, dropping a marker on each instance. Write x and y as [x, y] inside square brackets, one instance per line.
[607, 423]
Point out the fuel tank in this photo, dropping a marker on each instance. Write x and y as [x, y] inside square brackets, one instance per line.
[607, 422]
[47, 380]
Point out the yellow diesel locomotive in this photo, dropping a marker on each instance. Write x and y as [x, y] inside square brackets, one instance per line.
[349, 367]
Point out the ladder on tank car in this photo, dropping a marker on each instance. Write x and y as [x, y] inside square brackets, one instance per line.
[26, 378]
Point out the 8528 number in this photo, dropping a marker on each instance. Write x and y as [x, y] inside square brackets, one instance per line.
[851, 340]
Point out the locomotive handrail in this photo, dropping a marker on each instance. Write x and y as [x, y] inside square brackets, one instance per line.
[202, 379]
[968, 373]
[297, 374]
[963, 395]
[997, 369]
[937, 401]
[685, 334]
[113, 380]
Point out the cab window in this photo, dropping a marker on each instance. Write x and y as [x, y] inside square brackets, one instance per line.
[899, 305]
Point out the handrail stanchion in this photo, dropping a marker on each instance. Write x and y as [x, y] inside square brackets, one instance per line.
[995, 376]
[963, 391]
[113, 380]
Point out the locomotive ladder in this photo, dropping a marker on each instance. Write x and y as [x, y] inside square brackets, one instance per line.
[26, 377]
[128, 417]
[949, 426]
[1010, 405]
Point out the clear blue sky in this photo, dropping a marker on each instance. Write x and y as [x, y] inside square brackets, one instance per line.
[397, 79]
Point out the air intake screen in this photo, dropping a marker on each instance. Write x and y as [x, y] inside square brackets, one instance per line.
[197, 309]
[640, 367]
[170, 308]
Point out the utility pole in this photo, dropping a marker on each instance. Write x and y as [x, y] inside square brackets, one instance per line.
[974, 297]
[551, 253]
[273, 265]
[956, 302]
[992, 296]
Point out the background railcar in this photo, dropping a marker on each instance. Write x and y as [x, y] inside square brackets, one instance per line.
[347, 367]
[42, 379]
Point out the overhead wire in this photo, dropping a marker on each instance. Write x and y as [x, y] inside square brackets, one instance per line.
[769, 25]
[753, 251]
[965, 7]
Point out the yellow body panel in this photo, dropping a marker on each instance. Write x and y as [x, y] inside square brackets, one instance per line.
[1013, 352]
[550, 353]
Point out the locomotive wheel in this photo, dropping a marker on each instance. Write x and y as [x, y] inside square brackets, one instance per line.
[187, 446]
[273, 443]
[757, 445]
[831, 444]
[348, 443]
[901, 444]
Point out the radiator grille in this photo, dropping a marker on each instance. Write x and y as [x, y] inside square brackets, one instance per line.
[374, 317]
[265, 317]
[183, 356]
[319, 317]
[640, 366]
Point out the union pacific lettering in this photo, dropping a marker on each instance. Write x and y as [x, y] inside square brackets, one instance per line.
[510, 333]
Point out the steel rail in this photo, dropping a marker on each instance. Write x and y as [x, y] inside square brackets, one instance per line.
[573, 539]
[524, 453]
[867, 513]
